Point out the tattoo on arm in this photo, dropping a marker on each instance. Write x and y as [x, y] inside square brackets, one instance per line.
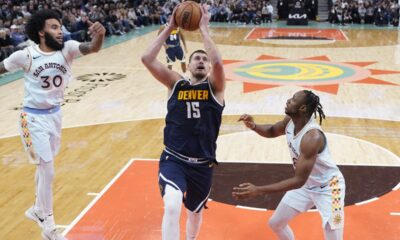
[2, 68]
[85, 48]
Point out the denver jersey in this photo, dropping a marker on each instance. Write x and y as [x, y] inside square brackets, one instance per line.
[324, 168]
[193, 120]
[173, 40]
[46, 74]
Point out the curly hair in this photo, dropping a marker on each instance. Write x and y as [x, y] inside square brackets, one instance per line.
[36, 23]
[313, 105]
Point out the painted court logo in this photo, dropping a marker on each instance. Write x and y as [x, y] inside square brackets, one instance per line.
[317, 73]
[90, 82]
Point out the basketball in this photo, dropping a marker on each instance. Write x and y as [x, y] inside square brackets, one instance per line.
[188, 15]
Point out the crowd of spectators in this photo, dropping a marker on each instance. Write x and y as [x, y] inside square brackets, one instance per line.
[380, 13]
[117, 16]
[122, 16]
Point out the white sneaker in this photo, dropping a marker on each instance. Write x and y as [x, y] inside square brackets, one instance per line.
[35, 215]
[52, 234]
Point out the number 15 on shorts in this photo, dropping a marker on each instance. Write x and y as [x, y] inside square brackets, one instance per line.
[193, 109]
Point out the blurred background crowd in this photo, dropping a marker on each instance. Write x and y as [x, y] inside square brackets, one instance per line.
[122, 16]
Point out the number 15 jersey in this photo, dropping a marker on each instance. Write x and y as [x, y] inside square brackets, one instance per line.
[193, 120]
[46, 74]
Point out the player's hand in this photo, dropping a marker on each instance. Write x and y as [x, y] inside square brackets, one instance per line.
[248, 121]
[205, 16]
[245, 190]
[172, 24]
[96, 29]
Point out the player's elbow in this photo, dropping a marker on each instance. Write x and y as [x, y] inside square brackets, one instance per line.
[95, 50]
[145, 59]
[218, 65]
[299, 182]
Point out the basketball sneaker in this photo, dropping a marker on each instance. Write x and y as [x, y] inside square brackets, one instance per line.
[35, 215]
[52, 234]
[49, 230]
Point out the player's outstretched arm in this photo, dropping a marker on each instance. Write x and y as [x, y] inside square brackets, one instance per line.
[265, 130]
[217, 76]
[97, 33]
[311, 144]
[156, 68]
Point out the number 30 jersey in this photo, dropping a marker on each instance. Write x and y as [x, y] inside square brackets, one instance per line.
[193, 120]
[46, 74]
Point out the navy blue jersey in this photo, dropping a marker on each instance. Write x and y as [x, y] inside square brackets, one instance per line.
[193, 120]
[173, 39]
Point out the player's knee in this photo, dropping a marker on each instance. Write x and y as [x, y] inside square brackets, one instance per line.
[172, 201]
[47, 170]
[275, 224]
[194, 215]
[172, 209]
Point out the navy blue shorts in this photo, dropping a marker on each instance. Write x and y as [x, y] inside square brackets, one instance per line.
[174, 53]
[194, 180]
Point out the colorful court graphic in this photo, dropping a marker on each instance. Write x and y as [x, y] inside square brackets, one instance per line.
[317, 73]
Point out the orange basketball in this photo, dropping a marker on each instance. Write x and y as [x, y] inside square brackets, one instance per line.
[188, 15]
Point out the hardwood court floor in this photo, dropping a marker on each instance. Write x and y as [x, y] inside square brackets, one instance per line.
[115, 112]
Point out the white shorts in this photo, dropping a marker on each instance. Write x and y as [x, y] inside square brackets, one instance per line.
[41, 133]
[329, 200]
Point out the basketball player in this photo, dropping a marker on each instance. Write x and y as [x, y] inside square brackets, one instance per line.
[317, 180]
[173, 47]
[47, 67]
[193, 120]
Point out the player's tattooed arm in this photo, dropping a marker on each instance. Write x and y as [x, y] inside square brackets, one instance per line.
[97, 33]
[2, 68]
[85, 48]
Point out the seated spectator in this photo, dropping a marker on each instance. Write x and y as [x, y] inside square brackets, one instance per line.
[17, 36]
[134, 19]
[361, 12]
[83, 25]
[6, 45]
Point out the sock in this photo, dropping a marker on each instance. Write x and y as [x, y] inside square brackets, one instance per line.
[193, 224]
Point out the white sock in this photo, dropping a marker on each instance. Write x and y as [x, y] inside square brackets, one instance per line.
[172, 212]
[279, 221]
[45, 184]
[193, 224]
[330, 234]
[37, 205]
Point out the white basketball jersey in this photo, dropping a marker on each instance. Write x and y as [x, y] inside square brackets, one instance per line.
[324, 168]
[46, 74]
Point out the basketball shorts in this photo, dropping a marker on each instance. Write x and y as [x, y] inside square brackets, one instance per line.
[40, 131]
[193, 179]
[328, 199]
[175, 53]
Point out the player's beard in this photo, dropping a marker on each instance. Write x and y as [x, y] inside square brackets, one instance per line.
[52, 43]
[199, 76]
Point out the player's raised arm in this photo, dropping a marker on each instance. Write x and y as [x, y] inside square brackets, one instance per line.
[156, 68]
[217, 75]
[97, 33]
